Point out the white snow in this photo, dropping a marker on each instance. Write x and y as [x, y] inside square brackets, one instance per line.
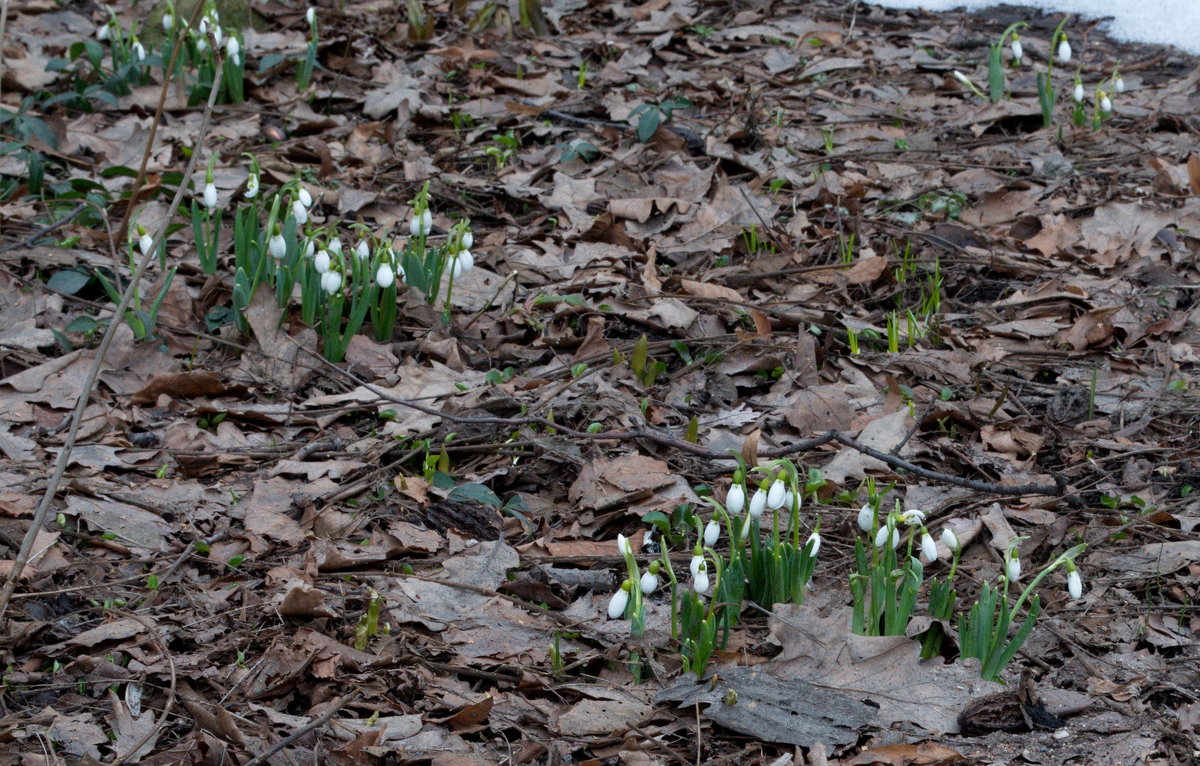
[1165, 22]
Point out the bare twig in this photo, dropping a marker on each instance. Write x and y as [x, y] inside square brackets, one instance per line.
[48, 229]
[316, 723]
[172, 694]
[60, 467]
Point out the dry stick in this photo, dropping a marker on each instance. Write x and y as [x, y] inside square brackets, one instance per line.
[172, 695]
[60, 467]
[338, 704]
[1059, 489]
[48, 229]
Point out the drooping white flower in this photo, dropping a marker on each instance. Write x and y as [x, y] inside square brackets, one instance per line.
[305, 198]
[300, 212]
[309, 247]
[1017, 51]
[278, 247]
[866, 518]
[618, 602]
[384, 276]
[776, 494]
[950, 540]
[311, 15]
[1078, 92]
[102, 31]
[649, 582]
[913, 517]
[321, 262]
[882, 535]
[202, 44]
[139, 50]
[335, 246]
[1012, 566]
[1064, 51]
[210, 195]
[456, 268]
[331, 282]
[961, 77]
[929, 547]
[1074, 582]
[234, 50]
[168, 21]
[467, 260]
[362, 250]
[815, 539]
[1105, 103]
[624, 547]
[218, 35]
[696, 562]
[202, 27]
[700, 581]
[421, 225]
[758, 503]
[1119, 84]
[145, 242]
[712, 532]
[251, 186]
[467, 240]
[735, 499]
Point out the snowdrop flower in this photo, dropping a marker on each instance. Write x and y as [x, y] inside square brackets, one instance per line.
[300, 212]
[1078, 94]
[139, 50]
[202, 27]
[234, 49]
[882, 535]
[467, 260]
[1017, 51]
[218, 36]
[913, 517]
[961, 77]
[210, 195]
[735, 499]
[335, 246]
[168, 21]
[1074, 582]
[1064, 51]
[305, 198]
[712, 532]
[758, 503]
[331, 282]
[202, 43]
[1012, 565]
[776, 494]
[456, 270]
[619, 600]
[145, 242]
[1119, 84]
[422, 225]
[700, 580]
[649, 581]
[321, 262]
[251, 186]
[309, 247]
[950, 540]
[384, 276]
[277, 247]
[815, 539]
[362, 250]
[311, 15]
[624, 547]
[696, 562]
[102, 31]
[928, 546]
[467, 240]
[1105, 103]
[866, 518]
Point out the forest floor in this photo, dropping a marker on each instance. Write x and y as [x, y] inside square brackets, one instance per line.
[702, 232]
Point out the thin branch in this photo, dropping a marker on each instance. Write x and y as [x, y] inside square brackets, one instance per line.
[316, 723]
[48, 229]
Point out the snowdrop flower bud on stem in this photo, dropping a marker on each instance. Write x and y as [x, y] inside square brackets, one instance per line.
[278, 247]
[712, 532]
[1074, 581]
[305, 197]
[1119, 84]
[624, 547]
[758, 503]
[1078, 93]
[815, 539]
[102, 32]
[300, 212]
[776, 494]
[321, 262]
[866, 518]
[311, 16]
[384, 276]
[700, 581]
[234, 51]
[362, 250]
[1017, 51]
[913, 517]
[1012, 566]
[619, 600]
[251, 186]
[467, 260]
[928, 546]
[950, 540]
[335, 246]
[649, 582]
[697, 561]
[139, 51]
[168, 22]
[421, 225]
[210, 195]
[145, 242]
[735, 499]
[1064, 51]
[1105, 103]
[331, 282]
[467, 240]
[882, 535]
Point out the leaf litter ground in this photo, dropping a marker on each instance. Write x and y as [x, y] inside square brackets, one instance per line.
[829, 170]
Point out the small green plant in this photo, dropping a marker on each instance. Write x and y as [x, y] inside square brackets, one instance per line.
[368, 623]
[141, 317]
[1060, 49]
[996, 80]
[650, 116]
[504, 145]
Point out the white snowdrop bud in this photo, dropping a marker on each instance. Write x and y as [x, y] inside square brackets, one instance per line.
[309, 247]
[695, 564]
[210, 195]
[102, 31]
[139, 51]
[928, 547]
[234, 49]
[1012, 566]
[950, 540]
[218, 36]
[649, 582]
[758, 503]
[168, 21]
[1074, 582]
[776, 494]
[1017, 51]
[335, 246]
[467, 260]
[456, 270]
[712, 532]
[882, 535]
[277, 247]
[913, 517]
[624, 547]
[700, 582]
[735, 499]
[467, 240]
[202, 27]
[1064, 51]
[145, 242]
[201, 45]
[1105, 103]
[961, 77]
[618, 602]
[251, 186]
[1078, 94]
[321, 262]
[866, 518]
[300, 212]
[311, 15]
[362, 250]
[384, 276]
[1119, 84]
[815, 539]
[305, 198]
[331, 282]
